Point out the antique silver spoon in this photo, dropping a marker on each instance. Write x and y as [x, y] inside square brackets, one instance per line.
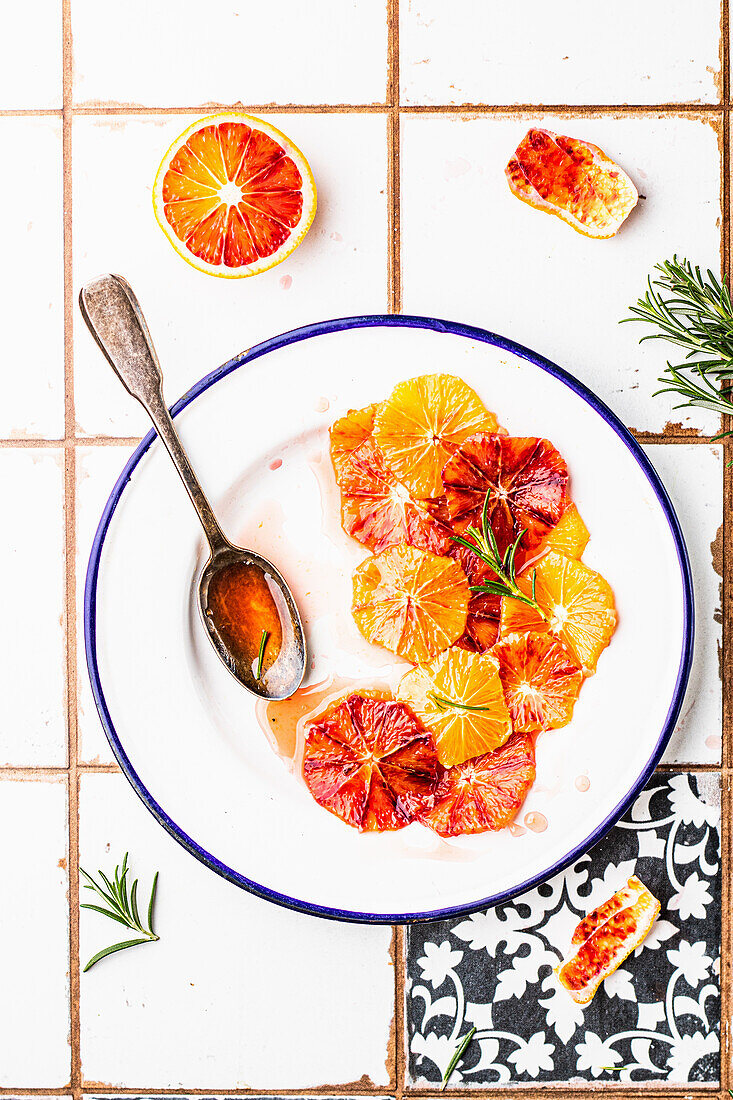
[247, 608]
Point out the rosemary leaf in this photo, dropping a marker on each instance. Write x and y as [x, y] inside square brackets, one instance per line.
[122, 907]
[111, 950]
[261, 654]
[459, 1052]
[451, 704]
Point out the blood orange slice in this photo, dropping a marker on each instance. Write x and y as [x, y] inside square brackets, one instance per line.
[348, 433]
[606, 937]
[577, 603]
[570, 537]
[541, 680]
[422, 423]
[379, 511]
[460, 698]
[484, 793]
[370, 762]
[572, 179]
[233, 195]
[526, 479]
[410, 601]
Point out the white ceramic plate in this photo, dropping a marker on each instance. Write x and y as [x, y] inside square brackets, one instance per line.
[186, 734]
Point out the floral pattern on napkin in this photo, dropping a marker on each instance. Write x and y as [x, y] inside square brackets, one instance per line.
[656, 1019]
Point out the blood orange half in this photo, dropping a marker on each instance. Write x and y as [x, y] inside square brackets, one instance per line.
[526, 479]
[370, 762]
[233, 195]
[484, 793]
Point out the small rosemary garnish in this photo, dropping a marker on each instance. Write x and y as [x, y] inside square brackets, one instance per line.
[459, 1052]
[694, 312]
[451, 704]
[261, 654]
[122, 907]
[483, 544]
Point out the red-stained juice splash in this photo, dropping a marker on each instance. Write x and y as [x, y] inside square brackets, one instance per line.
[582, 783]
[535, 822]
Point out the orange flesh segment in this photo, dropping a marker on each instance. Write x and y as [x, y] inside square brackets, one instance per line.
[464, 678]
[574, 180]
[410, 601]
[570, 537]
[577, 601]
[606, 937]
[247, 190]
[541, 679]
[348, 433]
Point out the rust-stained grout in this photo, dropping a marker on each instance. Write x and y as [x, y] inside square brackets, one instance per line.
[574, 109]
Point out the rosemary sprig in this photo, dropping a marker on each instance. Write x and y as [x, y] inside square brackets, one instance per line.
[694, 312]
[459, 1052]
[261, 654]
[483, 544]
[121, 906]
[442, 703]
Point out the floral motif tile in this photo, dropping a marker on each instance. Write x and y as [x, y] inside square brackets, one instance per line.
[657, 1019]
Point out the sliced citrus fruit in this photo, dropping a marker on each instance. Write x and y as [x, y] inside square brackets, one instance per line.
[541, 680]
[526, 479]
[606, 937]
[572, 179]
[422, 423]
[348, 433]
[410, 601]
[482, 623]
[370, 762]
[460, 698]
[379, 511]
[233, 195]
[484, 793]
[577, 603]
[570, 537]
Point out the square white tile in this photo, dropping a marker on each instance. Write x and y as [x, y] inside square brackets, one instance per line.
[199, 322]
[238, 993]
[31, 282]
[692, 474]
[32, 654]
[34, 928]
[30, 57]
[97, 469]
[334, 51]
[472, 252]
[458, 51]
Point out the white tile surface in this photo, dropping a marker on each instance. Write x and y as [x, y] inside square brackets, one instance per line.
[34, 931]
[472, 252]
[97, 469]
[458, 51]
[693, 476]
[334, 51]
[237, 992]
[32, 680]
[30, 56]
[31, 279]
[199, 321]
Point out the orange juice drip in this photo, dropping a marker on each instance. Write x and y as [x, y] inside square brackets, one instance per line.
[241, 606]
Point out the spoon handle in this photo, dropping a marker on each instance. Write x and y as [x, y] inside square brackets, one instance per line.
[115, 320]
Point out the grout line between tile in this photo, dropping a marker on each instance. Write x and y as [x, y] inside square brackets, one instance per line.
[577, 109]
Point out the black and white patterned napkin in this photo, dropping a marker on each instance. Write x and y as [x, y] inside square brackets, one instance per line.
[656, 1019]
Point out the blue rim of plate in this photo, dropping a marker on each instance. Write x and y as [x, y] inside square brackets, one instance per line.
[306, 333]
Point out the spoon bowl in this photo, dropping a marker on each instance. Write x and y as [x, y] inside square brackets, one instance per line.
[247, 608]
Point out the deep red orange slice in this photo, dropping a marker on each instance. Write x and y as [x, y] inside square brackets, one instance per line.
[484, 793]
[572, 179]
[606, 937]
[233, 195]
[370, 762]
[541, 681]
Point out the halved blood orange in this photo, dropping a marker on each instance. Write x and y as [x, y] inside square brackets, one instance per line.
[460, 698]
[233, 195]
[370, 762]
[379, 511]
[541, 681]
[606, 937]
[484, 793]
[527, 481]
[572, 179]
[348, 433]
[410, 601]
[422, 423]
[570, 537]
[577, 603]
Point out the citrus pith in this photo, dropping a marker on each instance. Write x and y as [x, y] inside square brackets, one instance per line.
[233, 195]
